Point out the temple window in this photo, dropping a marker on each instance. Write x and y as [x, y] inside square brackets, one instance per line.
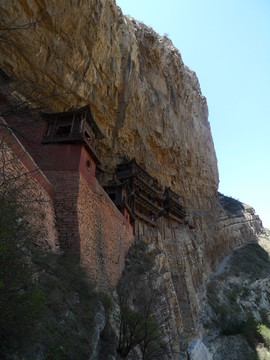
[88, 164]
[63, 130]
[88, 137]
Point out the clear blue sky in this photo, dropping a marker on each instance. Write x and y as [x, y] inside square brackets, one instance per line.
[227, 43]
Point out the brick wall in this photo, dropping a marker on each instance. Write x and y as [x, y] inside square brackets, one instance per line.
[90, 225]
[105, 236]
[21, 177]
[66, 185]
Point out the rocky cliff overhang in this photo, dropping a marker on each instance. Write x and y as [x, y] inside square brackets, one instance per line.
[146, 101]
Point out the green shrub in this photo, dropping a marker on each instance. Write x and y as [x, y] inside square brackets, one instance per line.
[264, 331]
[22, 302]
[245, 293]
[249, 329]
[265, 316]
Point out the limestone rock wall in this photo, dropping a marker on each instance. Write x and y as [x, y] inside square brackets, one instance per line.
[238, 224]
[143, 97]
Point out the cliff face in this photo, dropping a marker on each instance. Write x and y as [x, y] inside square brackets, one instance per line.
[149, 106]
[143, 97]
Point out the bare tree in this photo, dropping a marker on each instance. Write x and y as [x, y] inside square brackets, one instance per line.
[139, 324]
[142, 320]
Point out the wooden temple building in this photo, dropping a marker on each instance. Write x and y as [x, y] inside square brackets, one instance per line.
[76, 126]
[69, 142]
[119, 194]
[145, 196]
[136, 191]
[172, 205]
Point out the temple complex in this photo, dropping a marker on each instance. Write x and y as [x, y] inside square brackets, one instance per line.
[94, 222]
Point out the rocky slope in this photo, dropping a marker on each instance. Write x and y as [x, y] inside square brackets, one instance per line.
[149, 105]
[234, 311]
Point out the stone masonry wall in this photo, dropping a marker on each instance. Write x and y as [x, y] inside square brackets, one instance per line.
[105, 237]
[21, 177]
[65, 185]
[90, 225]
